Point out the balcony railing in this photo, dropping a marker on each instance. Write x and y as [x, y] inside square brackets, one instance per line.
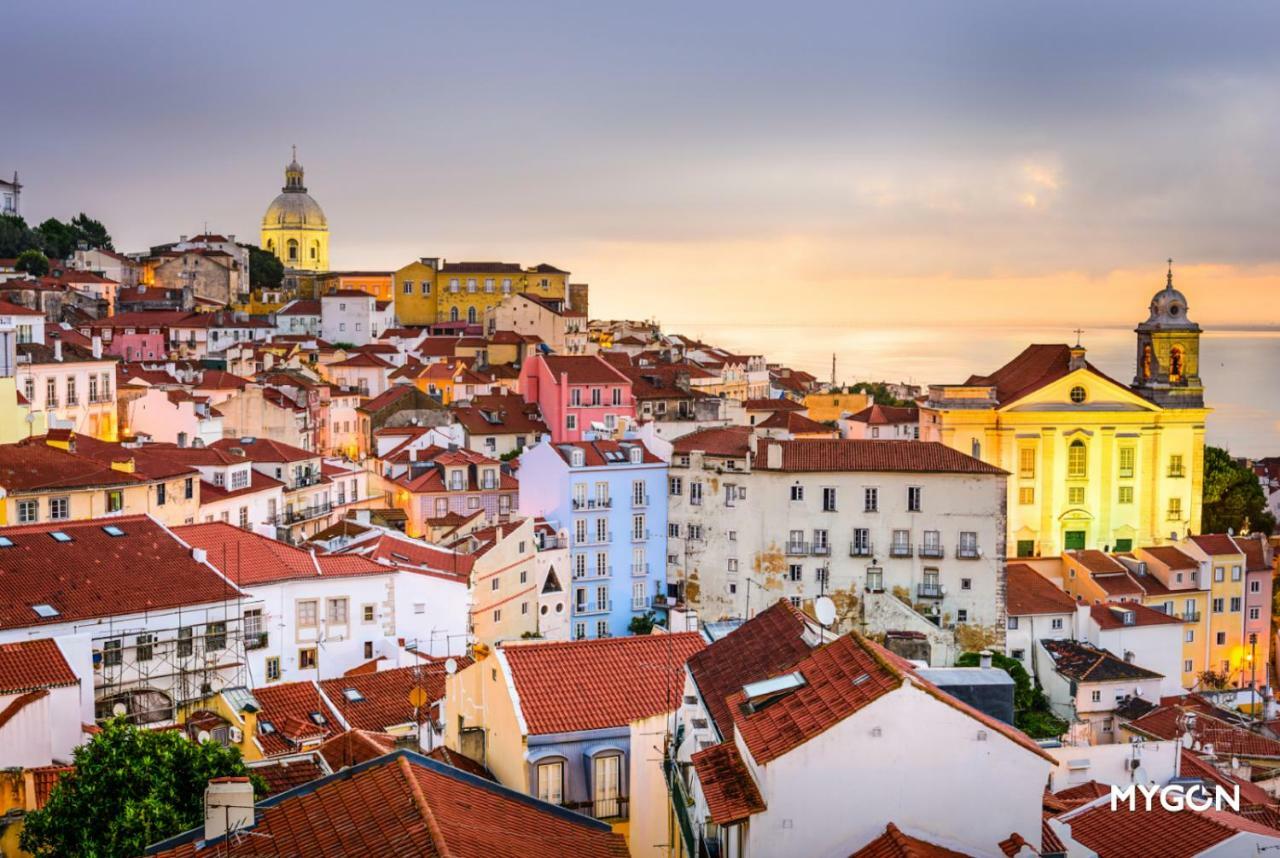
[640, 603]
[929, 591]
[1190, 616]
[968, 552]
[900, 549]
[822, 549]
[306, 513]
[797, 548]
[639, 536]
[639, 570]
[639, 502]
[863, 550]
[602, 808]
[255, 640]
[935, 552]
[592, 503]
[596, 607]
[602, 538]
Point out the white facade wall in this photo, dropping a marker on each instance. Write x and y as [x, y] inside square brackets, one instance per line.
[431, 611]
[43, 731]
[349, 319]
[261, 509]
[1157, 648]
[171, 422]
[1019, 642]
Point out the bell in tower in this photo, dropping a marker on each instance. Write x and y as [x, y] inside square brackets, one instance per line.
[1169, 352]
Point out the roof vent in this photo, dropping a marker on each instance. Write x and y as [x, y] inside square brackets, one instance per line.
[760, 694]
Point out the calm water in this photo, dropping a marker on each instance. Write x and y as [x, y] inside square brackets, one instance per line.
[1240, 368]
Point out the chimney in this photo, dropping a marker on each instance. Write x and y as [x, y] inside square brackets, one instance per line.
[984, 659]
[228, 807]
[97, 346]
[773, 457]
[57, 346]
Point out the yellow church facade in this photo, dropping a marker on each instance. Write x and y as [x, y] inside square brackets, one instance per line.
[294, 227]
[430, 290]
[1092, 463]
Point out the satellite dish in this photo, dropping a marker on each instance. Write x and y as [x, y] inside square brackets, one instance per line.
[119, 709]
[451, 666]
[825, 610]
[202, 736]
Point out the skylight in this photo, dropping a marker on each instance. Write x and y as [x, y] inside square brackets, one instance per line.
[353, 695]
[6, 542]
[44, 611]
[317, 718]
[761, 694]
[112, 530]
[59, 536]
[266, 728]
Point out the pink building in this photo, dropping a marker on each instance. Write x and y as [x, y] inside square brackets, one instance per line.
[577, 393]
[141, 335]
[1258, 558]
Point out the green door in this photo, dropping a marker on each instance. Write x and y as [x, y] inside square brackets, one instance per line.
[1074, 540]
[1124, 545]
[1026, 548]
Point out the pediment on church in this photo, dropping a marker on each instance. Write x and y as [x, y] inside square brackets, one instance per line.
[1083, 390]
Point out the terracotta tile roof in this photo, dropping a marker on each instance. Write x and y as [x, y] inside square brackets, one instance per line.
[1255, 554]
[732, 441]
[1169, 722]
[773, 404]
[1172, 557]
[1036, 366]
[35, 466]
[442, 754]
[795, 423]
[246, 557]
[32, 664]
[595, 454]
[1109, 616]
[1082, 662]
[1096, 561]
[1193, 765]
[1215, 544]
[481, 267]
[571, 686]
[411, 554]
[805, 454]
[214, 379]
[727, 785]
[768, 644]
[287, 707]
[1029, 592]
[582, 369]
[407, 804]
[1118, 584]
[1141, 833]
[386, 694]
[8, 308]
[353, 747]
[285, 773]
[258, 482]
[500, 415]
[98, 575]
[1087, 791]
[894, 844]
[264, 450]
[884, 415]
[363, 360]
[45, 778]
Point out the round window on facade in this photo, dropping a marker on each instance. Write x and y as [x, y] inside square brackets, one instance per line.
[1174, 309]
[559, 607]
[544, 610]
[1077, 394]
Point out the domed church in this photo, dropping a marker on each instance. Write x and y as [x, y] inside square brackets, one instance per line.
[294, 227]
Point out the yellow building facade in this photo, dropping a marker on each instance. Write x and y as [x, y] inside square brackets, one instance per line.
[829, 407]
[294, 227]
[431, 290]
[1093, 463]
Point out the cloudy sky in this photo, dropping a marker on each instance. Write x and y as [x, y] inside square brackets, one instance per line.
[701, 162]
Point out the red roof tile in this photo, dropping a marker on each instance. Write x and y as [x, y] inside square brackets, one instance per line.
[287, 707]
[1029, 592]
[772, 405]
[28, 665]
[98, 575]
[1036, 366]
[1109, 616]
[386, 694]
[406, 804]
[264, 450]
[285, 773]
[1255, 553]
[732, 441]
[596, 453]
[1169, 722]
[441, 753]
[583, 369]
[727, 785]
[33, 465]
[1082, 662]
[1172, 557]
[1215, 544]
[796, 424]
[570, 686]
[1096, 561]
[894, 844]
[1141, 833]
[45, 778]
[858, 455]
[354, 747]
[884, 415]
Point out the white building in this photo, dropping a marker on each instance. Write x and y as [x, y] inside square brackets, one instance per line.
[1138, 634]
[1092, 687]
[72, 385]
[1035, 609]
[870, 524]
[299, 317]
[43, 699]
[351, 316]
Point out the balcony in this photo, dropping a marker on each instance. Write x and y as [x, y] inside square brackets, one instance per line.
[639, 503]
[1189, 616]
[255, 640]
[933, 552]
[857, 550]
[592, 503]
[602, 808]
[594, 572]
[796, 549]
[306, 513]
[822, 549]
[929, 591]
[639, 536]
[968, 552]
[602, 538]
[639, 570]
[597, 607]
[900, 549]
[640, 604]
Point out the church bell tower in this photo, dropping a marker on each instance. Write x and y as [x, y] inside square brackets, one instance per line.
[1169, 352]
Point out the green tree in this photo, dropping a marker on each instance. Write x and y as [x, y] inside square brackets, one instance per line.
[264, 268]
[1031, 712]
[57, 238]
[91, 231]
[642, 625]
[130, 788]
[16, 236]
[878, 392]
[33, 262]
[1233, 497]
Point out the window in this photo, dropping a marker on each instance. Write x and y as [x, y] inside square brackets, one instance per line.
[307, 613]
[1011, 624]
[307, 658]
[1077, 460]
[638, 530]
[1235, 573]
[1126, 495]
[966, 583]
[494, 583]
[1235, 604]
[875, 579]
[1219, 573]
[829, 499]
[273, 667]
[695, 493]
[551, 781]
[115, 500]
[675, 486]
[962, 616]
[1175, 509]
[1187, 666]
[795, 572]
[1026, 495]
[914, 495]
[617, 396]
[797, 492]
[160, 494]
[1255, 613]
[861, 546]
[1217, 606]
[732, 565]
[1175, 465]
[1128, 455]
[1056, 624]
[1189, 636]
[28, 511]
[72, 397]
[185, 642]
[144, 650]
[1222, 638]
[112, 653]
[1027, 463]
[189, 490]
[870, 499]
[51, 392]
[1026, 548]
[1255, 586]
[215, 636]
[1075, 495]
[1096, 696]
[1077, 394]
[968, 544]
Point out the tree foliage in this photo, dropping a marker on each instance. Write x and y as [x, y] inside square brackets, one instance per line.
[1031, 712]
[33, 262]
[1233, 497]
[642, 625]
[265, 269]
[1213, 680]
[53, 238]
[16, 237]
[130, 788]
[879, 393]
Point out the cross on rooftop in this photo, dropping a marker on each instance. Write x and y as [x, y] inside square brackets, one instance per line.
[1078, 332]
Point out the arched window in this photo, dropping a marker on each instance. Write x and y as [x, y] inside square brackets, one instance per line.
[271, 245]
[975, 448]
[471, 315]
[453, 314]
[1077, 459]
[292, 250]
[315, 250]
